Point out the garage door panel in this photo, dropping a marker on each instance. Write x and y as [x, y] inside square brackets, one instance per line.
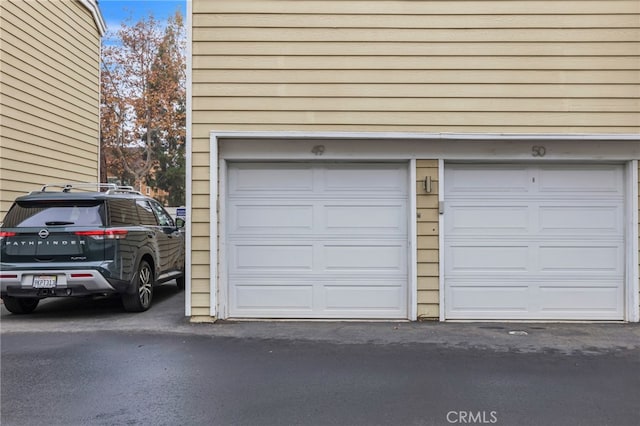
[464, 299]
[366, 217]
[343, 296]
[554, 251]
[479, 218]
[595, 180]
[260, 178]
[273, 296]
[477, 179]
[374, 257]
[598, 258]
[572, 219]
[368, 178]
[578, 299]
[260, 257]
[479, 259]
[270, 218]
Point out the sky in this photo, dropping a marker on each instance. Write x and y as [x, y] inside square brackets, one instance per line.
[116, 11]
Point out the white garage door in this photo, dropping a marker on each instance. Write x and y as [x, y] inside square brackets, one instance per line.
[317, 240]
[534, 242]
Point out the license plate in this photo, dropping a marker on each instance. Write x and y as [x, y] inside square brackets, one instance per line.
[44, 281]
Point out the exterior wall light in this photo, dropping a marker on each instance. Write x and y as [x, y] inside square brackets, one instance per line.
[427, 184]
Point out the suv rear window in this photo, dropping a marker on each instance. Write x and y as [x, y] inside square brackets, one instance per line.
[52, 213]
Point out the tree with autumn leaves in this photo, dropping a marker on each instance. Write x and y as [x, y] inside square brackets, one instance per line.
[143, 106]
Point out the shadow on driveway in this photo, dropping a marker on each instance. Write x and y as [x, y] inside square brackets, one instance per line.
[85, 313]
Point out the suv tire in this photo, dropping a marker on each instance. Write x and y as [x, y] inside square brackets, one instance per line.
[180, 281]
[140, 299]
[20, 305]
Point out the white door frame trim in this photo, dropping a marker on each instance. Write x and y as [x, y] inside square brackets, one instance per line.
[290, 146]
[632, 311]
[441, 225]
[412, 269]
[213, 228]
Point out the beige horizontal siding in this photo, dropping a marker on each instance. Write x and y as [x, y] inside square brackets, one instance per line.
[44, 44]
[416, 76]
[355, 48]
[410, 35]
[454, 56]
[606, 19]
[49, 97]
[428, 244]
[307, 62]
[407, 118]
[49, 119]
[418, 104]
[26, 131]
[78, 43]
[556, 66]
[23, 70]
[427, 91]
[200, 225]
[409, 7]
[15, 160]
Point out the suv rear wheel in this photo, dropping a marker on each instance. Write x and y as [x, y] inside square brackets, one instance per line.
[20, 305]
[180, 281]
[140, 299]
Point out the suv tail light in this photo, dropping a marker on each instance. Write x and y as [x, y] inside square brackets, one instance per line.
[4, 234]
[104, 234]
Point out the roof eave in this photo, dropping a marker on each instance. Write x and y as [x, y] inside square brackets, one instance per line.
[92, 6]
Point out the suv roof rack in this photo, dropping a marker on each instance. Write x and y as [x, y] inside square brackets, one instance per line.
[110, 188]
[123, 189]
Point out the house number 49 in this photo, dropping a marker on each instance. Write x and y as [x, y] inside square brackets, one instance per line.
[538, 151]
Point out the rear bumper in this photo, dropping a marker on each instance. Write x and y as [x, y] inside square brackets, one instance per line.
[68, 283]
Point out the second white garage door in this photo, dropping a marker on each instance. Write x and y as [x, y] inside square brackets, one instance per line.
[316, 240]
[534, 242]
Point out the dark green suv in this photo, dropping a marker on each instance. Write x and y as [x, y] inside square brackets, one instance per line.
[88, 240]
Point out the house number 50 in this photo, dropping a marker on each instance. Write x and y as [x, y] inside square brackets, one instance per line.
[538, 151]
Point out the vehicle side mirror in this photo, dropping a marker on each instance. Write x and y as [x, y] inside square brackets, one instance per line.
[180, 223]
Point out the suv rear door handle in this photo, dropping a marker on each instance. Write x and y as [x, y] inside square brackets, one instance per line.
[150, 235]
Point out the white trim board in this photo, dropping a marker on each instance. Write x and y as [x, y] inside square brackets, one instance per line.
[213, 228]
[426, 136]
[633, 257]
[412, 267]
[272, 148]
[94, 9]
[441, 226]
[189, 164]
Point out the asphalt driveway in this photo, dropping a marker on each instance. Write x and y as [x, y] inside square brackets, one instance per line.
[83, 362]
[167, 316]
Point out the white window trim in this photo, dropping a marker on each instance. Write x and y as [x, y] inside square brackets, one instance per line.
[409, 147]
